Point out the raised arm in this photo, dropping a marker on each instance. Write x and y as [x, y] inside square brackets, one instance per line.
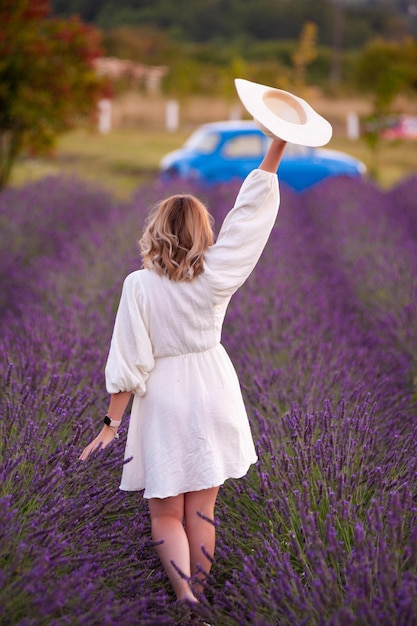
[273, 155]
[247, 226]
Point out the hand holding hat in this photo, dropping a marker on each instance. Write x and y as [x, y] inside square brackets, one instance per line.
[282, 115]
[265, 131]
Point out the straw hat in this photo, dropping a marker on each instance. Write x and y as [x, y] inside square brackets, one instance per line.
[282, 115]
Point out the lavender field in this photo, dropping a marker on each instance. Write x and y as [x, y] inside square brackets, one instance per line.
[323, 531]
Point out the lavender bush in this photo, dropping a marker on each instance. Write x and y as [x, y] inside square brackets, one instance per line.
[323, 530]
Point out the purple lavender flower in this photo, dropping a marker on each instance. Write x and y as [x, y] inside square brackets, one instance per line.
[323, 335]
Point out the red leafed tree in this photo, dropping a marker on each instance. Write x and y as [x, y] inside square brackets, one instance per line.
[47, 77]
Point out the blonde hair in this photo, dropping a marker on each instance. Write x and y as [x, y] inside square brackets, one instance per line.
[178, 232]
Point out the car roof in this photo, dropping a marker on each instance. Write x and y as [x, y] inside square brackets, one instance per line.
[228, 125]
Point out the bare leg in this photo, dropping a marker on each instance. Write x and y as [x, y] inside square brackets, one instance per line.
[200, 532]
[167, 516]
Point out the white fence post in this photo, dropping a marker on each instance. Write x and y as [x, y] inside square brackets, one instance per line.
[352, 126]
[104, 115]
[172, 116]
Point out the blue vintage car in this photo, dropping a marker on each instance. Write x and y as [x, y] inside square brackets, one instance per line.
[222, 151]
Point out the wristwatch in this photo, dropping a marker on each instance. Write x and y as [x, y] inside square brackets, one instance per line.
[112, 424]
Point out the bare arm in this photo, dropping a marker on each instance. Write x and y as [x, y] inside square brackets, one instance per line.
[117, 406]
[273, 156]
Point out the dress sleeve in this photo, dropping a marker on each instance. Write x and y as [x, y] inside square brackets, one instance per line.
[243, 234]
[130, 357]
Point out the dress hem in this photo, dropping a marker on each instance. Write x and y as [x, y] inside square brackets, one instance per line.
[235, 475]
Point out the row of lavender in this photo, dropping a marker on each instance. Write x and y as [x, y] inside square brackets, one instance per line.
[323, 530]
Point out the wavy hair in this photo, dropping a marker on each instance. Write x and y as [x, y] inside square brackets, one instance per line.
[177, 233]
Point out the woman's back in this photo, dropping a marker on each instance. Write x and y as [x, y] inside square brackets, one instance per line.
[180, 316]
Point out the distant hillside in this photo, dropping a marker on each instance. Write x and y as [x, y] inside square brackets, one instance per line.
[354, 21]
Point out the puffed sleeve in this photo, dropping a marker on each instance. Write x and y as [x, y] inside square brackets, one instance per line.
[243, 234]
[130, 357]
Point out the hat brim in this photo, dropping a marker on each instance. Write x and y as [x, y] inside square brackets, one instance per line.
[283, 114]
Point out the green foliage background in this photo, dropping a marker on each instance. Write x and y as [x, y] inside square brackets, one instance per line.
[207, 42]
[226, 20]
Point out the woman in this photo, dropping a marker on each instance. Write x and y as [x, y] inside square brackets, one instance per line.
[188, 429]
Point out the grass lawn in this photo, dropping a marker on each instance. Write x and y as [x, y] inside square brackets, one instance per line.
[394, 160]
[119, 161]
[123, 159]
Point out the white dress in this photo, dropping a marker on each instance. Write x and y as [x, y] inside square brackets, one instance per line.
[188, 427]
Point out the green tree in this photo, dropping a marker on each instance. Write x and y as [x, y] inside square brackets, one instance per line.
[385, 70]
[145, 44]
[306, 51]
[47, 77]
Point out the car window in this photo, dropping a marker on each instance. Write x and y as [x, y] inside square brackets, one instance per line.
[244, 146]
[204, 143]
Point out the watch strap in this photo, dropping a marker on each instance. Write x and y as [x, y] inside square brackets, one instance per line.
[112, 423]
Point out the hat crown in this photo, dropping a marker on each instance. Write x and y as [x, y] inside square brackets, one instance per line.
[285, 106]
[283, 115]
